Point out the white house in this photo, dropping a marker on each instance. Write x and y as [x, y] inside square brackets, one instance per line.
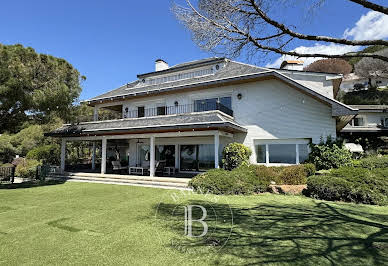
[184, 115]
[349, 81]
[370, 119]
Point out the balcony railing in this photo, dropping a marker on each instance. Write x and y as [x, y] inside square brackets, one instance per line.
[164, 110]
[178, 109]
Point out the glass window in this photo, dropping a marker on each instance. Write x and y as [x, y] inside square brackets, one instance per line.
[358, 121]
[188, 160]
[303, 152]
[205, 157]
[196, 157]
[165, 153]
[386, 122]
[140, 111]
[260, 153]
[282, 153]
[226, 101]
[161, 110]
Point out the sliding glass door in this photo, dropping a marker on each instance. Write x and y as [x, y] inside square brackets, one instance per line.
[195, 158]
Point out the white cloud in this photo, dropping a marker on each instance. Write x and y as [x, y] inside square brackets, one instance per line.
[372, 25]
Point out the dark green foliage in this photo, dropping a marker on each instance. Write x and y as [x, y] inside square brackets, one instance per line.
[47, 154]
[309, 169]
[7, 151]
[241, 180]
[250, 179]
[373, 162]
[357, 185]
[235, 155]
[35, 84]
[27, 169]
[370, 96]
[329, 154]
[371, 143]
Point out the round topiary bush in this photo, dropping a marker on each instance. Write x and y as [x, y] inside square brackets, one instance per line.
[235, 155]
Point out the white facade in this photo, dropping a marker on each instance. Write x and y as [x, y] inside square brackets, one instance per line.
[277, 113]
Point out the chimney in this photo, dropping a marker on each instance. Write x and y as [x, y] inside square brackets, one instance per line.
[292, 65]
[160, 65]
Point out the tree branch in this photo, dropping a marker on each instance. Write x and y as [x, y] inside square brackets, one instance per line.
[292, 33]
[370, 5]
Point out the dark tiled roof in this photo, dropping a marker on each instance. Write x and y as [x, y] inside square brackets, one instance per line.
[231, 69]
[370, 107]
[214, 119]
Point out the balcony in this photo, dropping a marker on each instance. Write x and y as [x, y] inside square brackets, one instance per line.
[157, 111]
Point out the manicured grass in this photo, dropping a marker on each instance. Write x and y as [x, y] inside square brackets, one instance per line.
[81, 223]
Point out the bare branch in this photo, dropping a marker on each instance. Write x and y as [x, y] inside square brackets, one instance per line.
[285, 29]
[370, 5]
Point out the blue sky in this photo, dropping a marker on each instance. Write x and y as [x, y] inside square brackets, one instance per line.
[111, 41]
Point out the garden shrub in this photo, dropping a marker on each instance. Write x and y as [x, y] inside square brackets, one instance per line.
[372, 162]
[248, 179]
[329, 154]
[241, 180]
[27, 169]
[47, 154]
[309, 169]
[350, 184]
[235, 155]
[293, 175]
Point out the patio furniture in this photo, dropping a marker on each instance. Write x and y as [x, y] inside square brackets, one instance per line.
[169, 170]
[159, 167]
[118, 167]
[135, 170]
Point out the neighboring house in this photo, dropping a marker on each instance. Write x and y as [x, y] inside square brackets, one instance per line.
[369, 127]
[185, 115]
[349, 82]
[370, 119]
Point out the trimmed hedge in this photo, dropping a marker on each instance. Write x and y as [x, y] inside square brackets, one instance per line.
[241, 180]
[372, 162]
[349, 184]
[250, 179]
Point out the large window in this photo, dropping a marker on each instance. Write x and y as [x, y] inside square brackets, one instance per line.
[282, 153]
[212, 104]
[140, 111]
[358, 122]
[196, 157]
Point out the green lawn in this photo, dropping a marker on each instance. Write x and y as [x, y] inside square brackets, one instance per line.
[81, 223]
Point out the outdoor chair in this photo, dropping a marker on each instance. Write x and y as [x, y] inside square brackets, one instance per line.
[117, 167]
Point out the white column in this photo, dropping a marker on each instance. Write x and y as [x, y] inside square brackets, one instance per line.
[152, 156]
[297, 153]
[266, 155]
[95, 113]
[94, 155]
[103, 156]
[216, 149]
[63, 155]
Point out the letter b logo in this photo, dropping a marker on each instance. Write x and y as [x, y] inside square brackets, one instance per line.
[189, 220]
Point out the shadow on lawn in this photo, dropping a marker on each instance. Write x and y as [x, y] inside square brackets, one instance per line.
[318, 233]
[30, 184]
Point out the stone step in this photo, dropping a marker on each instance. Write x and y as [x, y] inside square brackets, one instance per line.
[125, 181]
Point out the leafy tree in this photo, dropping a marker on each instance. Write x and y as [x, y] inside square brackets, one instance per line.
[235, 155]
[7, 150]
[334, 65]
[34, 85]
[27, 139]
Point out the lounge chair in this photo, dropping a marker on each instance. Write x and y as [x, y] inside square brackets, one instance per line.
[117, 167]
